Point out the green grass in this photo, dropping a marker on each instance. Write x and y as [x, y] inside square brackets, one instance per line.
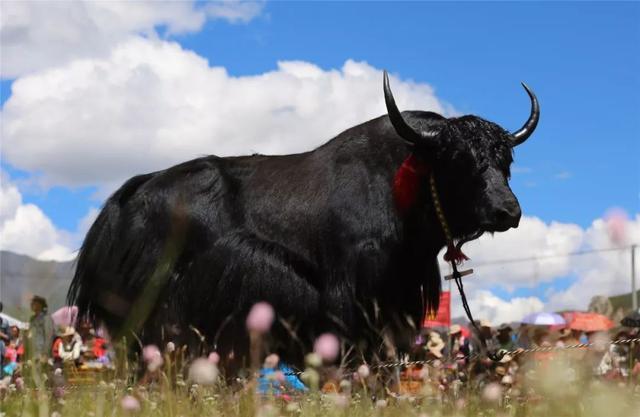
[548, 392]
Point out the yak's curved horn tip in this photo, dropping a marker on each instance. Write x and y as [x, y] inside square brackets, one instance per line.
[527, 89]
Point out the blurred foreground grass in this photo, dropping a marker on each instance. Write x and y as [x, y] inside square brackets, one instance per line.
[551, 392]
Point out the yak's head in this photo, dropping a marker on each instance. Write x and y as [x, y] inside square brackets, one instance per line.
[470, 158]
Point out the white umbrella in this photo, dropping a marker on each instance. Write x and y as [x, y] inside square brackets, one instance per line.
[14, 321]
[544, 319]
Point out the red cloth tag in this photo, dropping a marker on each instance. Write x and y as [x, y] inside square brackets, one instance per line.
[407, 182]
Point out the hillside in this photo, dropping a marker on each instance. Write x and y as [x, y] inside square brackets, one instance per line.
[22, 276]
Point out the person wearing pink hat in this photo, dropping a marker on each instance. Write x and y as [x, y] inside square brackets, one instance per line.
[458, 344]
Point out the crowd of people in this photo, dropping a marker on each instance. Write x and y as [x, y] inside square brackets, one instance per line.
[46, 342]
[447, 362]
[450, 359]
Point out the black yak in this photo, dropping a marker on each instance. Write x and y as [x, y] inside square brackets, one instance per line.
[342, 238]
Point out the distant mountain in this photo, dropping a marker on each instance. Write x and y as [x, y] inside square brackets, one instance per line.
[22, 276]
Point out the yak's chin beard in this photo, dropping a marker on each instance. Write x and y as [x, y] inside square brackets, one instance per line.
[468, 237]
[496, 228]
[468, 232]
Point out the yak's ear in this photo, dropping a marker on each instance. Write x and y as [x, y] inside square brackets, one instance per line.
[413, 138]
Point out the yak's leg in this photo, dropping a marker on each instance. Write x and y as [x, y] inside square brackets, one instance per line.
[239, 270]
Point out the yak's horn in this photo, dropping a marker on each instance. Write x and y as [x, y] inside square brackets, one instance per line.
[399, 124]
[528, 128]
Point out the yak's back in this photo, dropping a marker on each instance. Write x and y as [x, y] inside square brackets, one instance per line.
[146, 224]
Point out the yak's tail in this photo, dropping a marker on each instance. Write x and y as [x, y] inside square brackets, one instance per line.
[99, 275]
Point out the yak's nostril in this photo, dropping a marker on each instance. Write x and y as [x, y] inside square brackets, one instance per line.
[508, 216]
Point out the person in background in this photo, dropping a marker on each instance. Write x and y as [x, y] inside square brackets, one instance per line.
[278, 379]
[504, 339]
[620, 356]
[482, 364]
[13, 352]
[15, 349]
[458, 344]
[435, 346]
[40, 329]
[542, 338]
[523, 340]
[66, 347]
[4, 340]
[486, 332]
[95, 348]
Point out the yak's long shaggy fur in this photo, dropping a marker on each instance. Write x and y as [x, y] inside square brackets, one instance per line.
[315, 234]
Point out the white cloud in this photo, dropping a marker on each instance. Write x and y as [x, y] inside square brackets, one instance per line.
[563, 175]
[234, 11]
[487, 306]
[151, 104]
[516, 169]
[533, 238]
[600, 273]
[35, 35]
[26, 229]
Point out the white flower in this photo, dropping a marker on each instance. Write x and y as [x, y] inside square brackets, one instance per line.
[363, 371]
[340, 400]
[492, 392]
[381, 403]
[203, 372]
[313, 360]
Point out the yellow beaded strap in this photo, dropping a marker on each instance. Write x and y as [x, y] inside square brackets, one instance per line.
[453, 254]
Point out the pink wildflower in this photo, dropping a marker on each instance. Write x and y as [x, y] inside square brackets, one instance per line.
[152, 357]
[260, 318]
[327, 347]
[58, 392]
[214, 358]
[151, 353]
[19, 383]
[617, 226]
[130, 403]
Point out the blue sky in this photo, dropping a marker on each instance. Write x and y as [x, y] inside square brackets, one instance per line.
[581, 59]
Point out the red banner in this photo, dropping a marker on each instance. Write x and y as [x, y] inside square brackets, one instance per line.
[443, 316]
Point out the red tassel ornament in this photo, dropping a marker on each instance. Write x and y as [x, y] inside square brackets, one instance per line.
[407, 182]
[454, 254]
